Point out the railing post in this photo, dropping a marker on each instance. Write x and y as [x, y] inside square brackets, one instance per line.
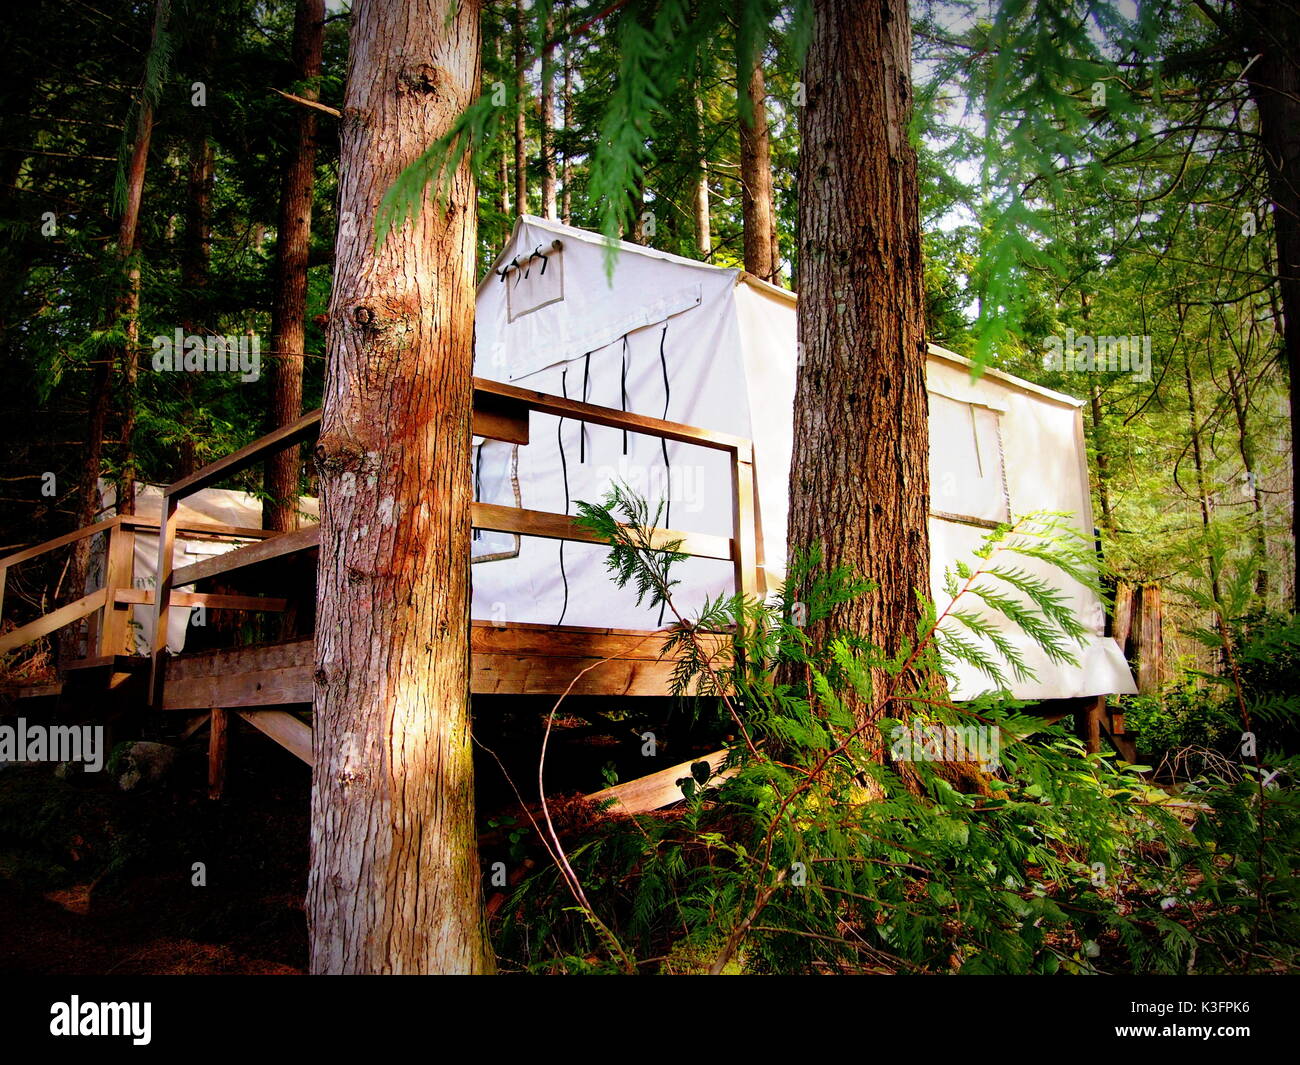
[743, 524]
[162, 596]
[119, 571]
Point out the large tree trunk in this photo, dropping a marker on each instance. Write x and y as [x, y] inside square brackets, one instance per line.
[395, 883]
[860, 480]
[761, 256]
[292, 244]
[1273, 34]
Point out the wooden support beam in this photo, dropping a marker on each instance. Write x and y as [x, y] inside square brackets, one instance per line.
[269, 675]
[65, 615]
[194, 724]
[1088, 722]
[657, 790]
[290, 733]
[499, 417]
[218, 741]
[516, 660]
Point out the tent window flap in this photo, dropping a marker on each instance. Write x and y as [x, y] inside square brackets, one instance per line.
[967, 467]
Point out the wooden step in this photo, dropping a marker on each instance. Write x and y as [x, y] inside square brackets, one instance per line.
[31, 691]
[110, 663]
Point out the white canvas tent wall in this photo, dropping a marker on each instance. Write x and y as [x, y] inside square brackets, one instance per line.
[715, 348]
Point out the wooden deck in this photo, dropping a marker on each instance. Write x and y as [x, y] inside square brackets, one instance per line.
[271, 684]
[505, 660]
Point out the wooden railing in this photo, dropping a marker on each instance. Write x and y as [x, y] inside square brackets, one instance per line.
[108, 607]
[501, 412]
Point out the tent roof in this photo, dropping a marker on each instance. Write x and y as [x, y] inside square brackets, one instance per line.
[765, 288]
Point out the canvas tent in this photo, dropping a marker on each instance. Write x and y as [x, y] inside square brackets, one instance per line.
[672, 338]
[715, 348]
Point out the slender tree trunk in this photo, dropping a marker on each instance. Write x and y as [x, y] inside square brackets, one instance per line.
[521, 128]
[292, 244]
[1202, 491]
[1273, 34]
[123, 312]
[1103, 459]
[566, 193]
[195, 261]
[196, 241]
[128, 307]
[860, 479]
[761, 258]
[1246, 446]
[503, 167]
[703, 226]
[395, 883]
[549, 209]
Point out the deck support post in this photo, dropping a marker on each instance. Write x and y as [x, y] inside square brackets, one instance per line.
[218, 744]
[162, 596]
[1088, 723]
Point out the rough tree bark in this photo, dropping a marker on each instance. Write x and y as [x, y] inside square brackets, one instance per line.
[859, 479]
[292, 244]
[1272, 33]
[762, 258]
[395, 883]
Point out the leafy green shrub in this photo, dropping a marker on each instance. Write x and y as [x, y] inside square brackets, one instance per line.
[1185, 714]
[820, 854]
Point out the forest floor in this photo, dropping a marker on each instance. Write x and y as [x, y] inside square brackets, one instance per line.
[94, 880]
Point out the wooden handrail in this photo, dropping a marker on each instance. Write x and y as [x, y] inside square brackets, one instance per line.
[281, 438]
[544, 403]
[58, 541]
[500, 412]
